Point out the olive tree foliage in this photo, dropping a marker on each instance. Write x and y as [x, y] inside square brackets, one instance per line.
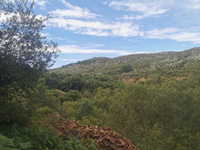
[21, 41]
[25, 53]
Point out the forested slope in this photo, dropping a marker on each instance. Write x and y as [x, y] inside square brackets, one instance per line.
[158, 110]
[25, 100]
[155, 107]
[133, 64]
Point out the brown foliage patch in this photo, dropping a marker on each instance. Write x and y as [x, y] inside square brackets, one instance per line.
[105, 137]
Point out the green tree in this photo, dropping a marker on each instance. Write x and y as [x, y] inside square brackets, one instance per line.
[72, 95]
[23, 47]
[86, 108]
[125, 69]
[74, 82]
[42, 97]
[24, 53]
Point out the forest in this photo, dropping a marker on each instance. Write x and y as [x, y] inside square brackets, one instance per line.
[159, 109]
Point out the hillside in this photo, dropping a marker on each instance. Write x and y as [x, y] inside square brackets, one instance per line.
[159, 110]
[135, 64]
[91, 104]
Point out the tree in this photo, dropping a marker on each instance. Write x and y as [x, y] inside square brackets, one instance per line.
[72, 95]
[125, 69]
[74, 82]
[24, 52]
[21, 41]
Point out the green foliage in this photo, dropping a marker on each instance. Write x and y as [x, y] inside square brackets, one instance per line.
[30, 48]
[75, 82]
[42, 97]
[6, 143]
[91, 109]
[15, 139]
[72, 95]
[13, 109]
[69, 110]
[158, 116]
[24, 55]
[86, 108]
[39, 138]
[125, 69]
[81, 83]
[41, 112]
[74, 144]
[162, 113]
[22, 59]
[45, 138]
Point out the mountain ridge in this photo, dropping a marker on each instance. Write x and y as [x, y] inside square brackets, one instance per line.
[148, 61]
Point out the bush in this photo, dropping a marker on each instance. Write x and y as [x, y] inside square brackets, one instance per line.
[74, 144]
[6, 143]
[39, 138]
[14, 139]
[72, 95]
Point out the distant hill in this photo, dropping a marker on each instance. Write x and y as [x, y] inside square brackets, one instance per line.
[136, 63]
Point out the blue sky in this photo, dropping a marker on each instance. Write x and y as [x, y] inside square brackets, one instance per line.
[109, 28]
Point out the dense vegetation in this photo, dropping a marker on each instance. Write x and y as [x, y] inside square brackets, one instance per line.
[160, 113]
[25, 54]
[157, 107]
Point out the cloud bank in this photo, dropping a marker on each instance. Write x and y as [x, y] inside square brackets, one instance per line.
[76, 49]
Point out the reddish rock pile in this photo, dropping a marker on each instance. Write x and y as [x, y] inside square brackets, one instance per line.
[105, 137]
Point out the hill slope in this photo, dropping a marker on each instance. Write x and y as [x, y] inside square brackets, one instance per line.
[135, 64]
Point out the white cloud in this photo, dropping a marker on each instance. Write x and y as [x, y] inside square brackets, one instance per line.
[69, 60]
[73, 12]
[41, 3]
[93, 45]
[187, 37]
[68, 5]
[124, 29]
[126, 17]
[73, 18]
[63, 19]
[165, 33]
[143, 8]
[77, 49]
[97, 28]
[193, 4]
[179, 35]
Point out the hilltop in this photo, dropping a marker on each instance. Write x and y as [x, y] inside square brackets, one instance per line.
[135, 63]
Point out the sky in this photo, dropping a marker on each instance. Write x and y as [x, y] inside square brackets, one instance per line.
[85, 29]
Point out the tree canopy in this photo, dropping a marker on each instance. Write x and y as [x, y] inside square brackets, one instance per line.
[24, 54]
[21, 42]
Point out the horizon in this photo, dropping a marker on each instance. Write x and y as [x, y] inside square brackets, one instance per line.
[121, 56]
[113, 28]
